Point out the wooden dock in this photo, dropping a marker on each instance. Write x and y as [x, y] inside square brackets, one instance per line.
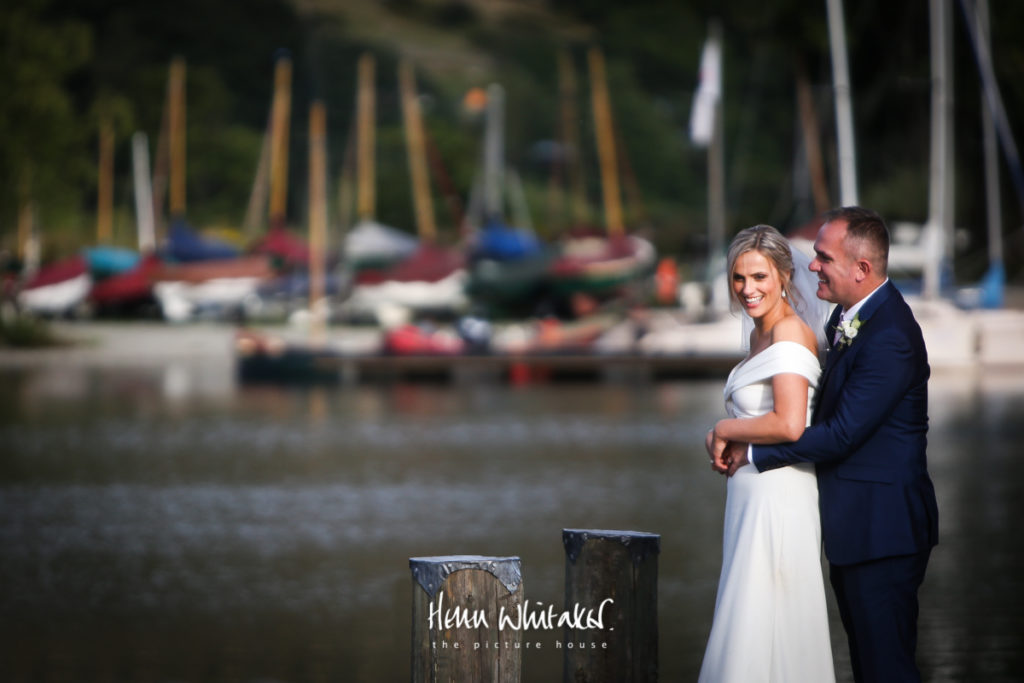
[298, 365]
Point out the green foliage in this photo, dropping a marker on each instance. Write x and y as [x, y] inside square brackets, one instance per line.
[221, 180]
[24, 331]
[42, 138]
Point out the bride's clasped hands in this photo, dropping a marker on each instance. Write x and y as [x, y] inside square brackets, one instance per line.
[718, 452]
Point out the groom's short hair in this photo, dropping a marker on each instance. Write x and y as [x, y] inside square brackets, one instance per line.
[868, 230]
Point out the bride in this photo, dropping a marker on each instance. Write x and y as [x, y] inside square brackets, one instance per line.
[770, 621]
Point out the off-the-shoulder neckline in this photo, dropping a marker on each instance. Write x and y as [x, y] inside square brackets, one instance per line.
[774, 344]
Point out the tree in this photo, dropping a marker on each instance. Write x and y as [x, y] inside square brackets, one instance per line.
[42, 155]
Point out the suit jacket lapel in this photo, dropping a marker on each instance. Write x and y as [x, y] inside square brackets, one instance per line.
[830, 326]
[865, 313]
[830, 334]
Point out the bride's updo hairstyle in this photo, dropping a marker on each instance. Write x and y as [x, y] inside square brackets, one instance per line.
[771, 244]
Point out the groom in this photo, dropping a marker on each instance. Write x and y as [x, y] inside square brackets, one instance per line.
[868, 435]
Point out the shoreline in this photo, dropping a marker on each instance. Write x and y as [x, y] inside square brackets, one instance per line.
[956, 339]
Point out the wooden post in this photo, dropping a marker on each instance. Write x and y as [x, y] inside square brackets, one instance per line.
[623, 566]
[456, 604]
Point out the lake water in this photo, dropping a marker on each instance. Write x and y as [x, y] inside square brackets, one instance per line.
[168, 525]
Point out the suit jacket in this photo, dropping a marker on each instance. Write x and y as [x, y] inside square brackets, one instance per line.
[868, 438]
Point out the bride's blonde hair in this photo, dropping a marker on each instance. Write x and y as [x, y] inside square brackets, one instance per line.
[771, 244]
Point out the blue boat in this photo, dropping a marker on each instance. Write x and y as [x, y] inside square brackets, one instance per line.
[107, 261]
[185, 245]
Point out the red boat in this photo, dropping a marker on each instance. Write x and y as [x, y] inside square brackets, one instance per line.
[127, 290]
[57, 289]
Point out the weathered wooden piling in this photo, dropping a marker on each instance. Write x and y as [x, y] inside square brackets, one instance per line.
[621, 566]
[456, 604]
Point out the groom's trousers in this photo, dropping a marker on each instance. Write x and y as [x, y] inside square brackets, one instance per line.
[878, 604]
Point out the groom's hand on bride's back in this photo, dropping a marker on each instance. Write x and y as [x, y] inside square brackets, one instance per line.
[735, 456]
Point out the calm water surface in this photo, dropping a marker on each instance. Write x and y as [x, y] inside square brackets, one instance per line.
[167, 525]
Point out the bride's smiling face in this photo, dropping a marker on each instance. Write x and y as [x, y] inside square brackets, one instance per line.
[756, 284]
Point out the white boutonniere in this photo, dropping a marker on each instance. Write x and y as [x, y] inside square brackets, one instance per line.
[848, 331]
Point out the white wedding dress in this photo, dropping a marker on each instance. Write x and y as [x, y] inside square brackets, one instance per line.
[770, 621]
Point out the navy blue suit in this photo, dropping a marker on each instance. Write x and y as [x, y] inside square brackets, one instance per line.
[878, 511]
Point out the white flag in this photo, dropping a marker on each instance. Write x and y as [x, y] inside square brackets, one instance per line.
[709, 90]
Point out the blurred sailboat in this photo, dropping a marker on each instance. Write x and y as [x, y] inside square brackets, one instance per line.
[56, 289]
[370, 247]
[268, 359]
[508, 264]
[288, 251]
[431, 280]
[63, 288]
[196, 276]
[593, 263]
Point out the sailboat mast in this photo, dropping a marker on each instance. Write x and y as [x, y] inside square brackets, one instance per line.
[571, 137]
[716, 163]
[938, 229]
[143, 193]
[279, 141]
[161, 168]
[605, 144]
[844, 108]
[28, 250]
[811, 138]
[317, 220]
[494, 153]
[993, 207]
[706, 129]
[365, 138]
[255, 210]
[416, 149]
[176, 134]
[995, 101]
[105, 185]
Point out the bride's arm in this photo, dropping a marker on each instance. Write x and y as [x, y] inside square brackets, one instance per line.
[788, 418]
[784, 423]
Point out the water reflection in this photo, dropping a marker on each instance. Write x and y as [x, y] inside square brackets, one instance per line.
[174, 526]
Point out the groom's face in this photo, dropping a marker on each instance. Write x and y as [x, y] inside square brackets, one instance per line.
[834, 265]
